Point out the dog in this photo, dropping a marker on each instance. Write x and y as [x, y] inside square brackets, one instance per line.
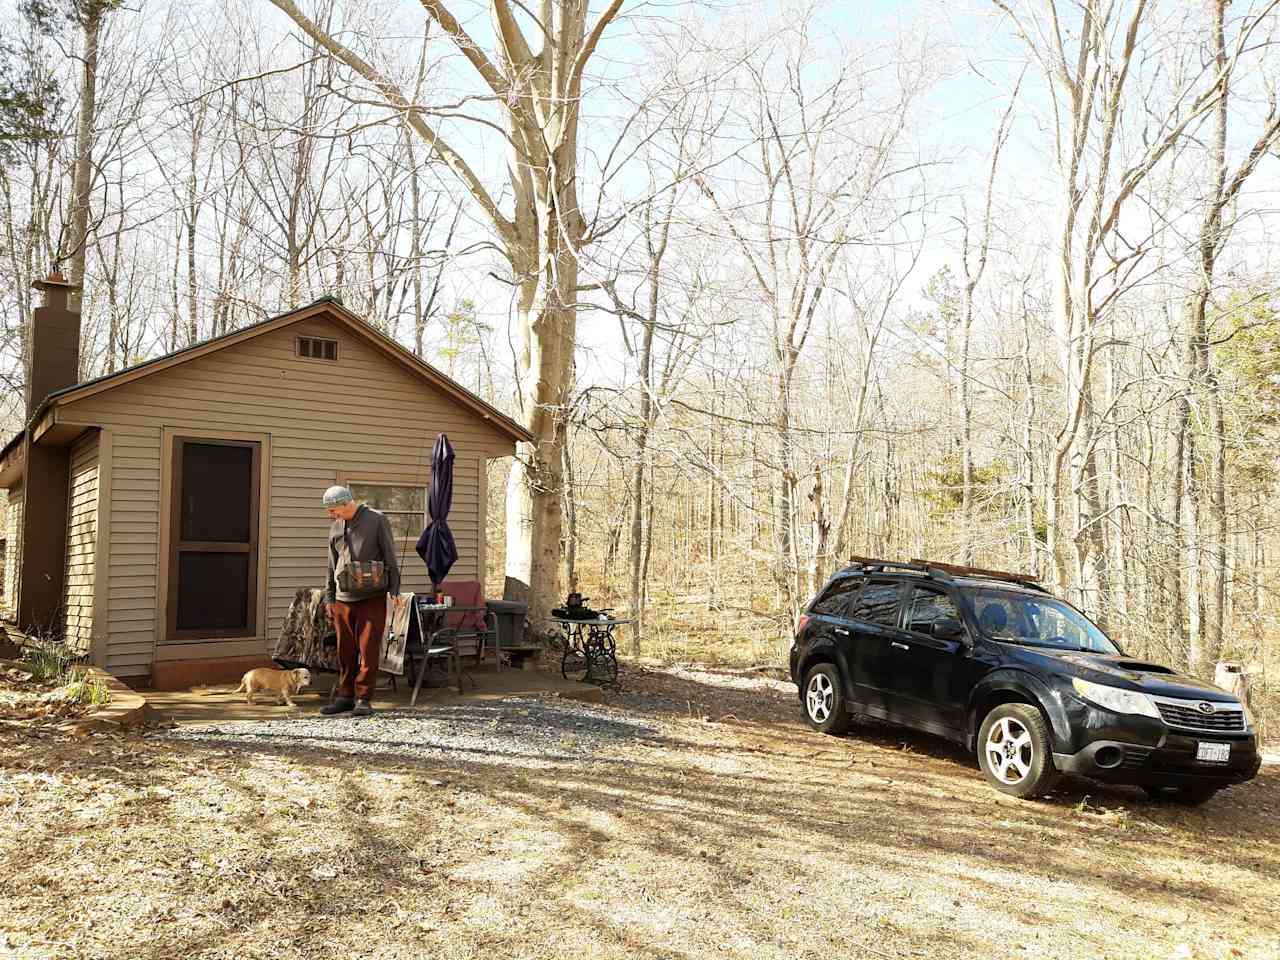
[284, 683]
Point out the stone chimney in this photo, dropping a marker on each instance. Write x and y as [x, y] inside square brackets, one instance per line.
[55, 341]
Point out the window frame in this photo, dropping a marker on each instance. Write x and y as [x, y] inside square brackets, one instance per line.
[855, 582]
[898, 586]
[924, 588]
[359, 481]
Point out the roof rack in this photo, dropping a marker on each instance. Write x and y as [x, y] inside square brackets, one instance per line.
[943, 571]
[869, 563]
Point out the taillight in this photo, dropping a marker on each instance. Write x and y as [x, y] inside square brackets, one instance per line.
[803, 622]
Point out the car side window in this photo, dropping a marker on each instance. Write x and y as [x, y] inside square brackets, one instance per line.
[878, 603]
[1003, 619]
[835, 600]
[929, 607]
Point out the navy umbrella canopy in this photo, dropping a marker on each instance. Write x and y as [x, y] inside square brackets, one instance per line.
[436, 546]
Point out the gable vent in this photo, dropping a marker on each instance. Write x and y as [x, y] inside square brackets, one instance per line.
[313, 348]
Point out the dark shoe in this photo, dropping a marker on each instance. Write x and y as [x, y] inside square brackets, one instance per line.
[341, 705]
[363, 709]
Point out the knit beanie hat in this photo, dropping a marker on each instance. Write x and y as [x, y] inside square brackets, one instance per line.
[337, 495]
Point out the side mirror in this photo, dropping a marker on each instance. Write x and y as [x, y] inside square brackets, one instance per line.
[948, 630]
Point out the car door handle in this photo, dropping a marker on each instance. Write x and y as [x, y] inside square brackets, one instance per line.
[900, 646]
[841, 632]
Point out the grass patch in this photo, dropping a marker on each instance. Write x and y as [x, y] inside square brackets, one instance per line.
[85, 689]
[48, 662]
[53, 663]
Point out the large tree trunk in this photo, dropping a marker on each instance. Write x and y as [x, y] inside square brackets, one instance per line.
[547, 328]
[83, 177]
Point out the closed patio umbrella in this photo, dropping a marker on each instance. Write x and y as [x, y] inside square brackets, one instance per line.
[436, 546]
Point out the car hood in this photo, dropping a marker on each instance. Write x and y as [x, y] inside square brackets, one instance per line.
[1132, 674]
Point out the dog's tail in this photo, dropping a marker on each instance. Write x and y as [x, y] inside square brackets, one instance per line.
[243, 688]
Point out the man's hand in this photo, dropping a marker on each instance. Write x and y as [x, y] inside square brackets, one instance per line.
[397, 601]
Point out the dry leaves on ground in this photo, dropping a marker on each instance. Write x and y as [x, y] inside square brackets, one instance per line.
[24, 701]
[732, 832]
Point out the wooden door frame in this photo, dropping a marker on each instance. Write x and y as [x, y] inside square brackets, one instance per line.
[181, 647]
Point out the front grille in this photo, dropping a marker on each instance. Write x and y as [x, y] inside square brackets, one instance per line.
[1226, 718]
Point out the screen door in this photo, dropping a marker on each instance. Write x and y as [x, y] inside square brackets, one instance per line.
[213, 536]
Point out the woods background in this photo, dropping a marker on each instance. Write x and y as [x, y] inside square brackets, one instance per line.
[772, 284]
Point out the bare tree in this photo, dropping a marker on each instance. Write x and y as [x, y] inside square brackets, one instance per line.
[90, 16]
[974, 264]
[538, 94]
[1089, 56]
[1202, 381]
[815, 193]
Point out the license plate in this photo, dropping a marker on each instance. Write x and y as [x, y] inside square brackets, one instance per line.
[1213, 752]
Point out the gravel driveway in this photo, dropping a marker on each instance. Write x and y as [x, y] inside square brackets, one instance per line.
[533, 729]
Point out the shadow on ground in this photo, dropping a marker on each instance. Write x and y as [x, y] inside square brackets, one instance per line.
[744, 834]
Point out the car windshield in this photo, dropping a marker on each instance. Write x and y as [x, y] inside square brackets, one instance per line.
[1038, 620]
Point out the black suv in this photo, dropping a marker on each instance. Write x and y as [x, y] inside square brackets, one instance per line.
[1023, 679]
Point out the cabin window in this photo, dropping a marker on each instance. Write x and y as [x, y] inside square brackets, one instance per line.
[405, 506]
[315, 348]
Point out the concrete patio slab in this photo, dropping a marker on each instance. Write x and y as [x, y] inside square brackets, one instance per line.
[217, 704]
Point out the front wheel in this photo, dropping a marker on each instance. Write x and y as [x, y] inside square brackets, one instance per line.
[824, 706]
[1190, 795]
[1014, 751]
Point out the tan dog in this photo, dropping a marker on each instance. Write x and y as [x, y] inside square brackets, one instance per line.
[284, 683]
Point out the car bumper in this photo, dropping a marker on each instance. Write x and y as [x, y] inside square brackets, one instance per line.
[1169, 762]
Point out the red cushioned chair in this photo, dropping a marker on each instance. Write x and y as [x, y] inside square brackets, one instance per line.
[459, 634]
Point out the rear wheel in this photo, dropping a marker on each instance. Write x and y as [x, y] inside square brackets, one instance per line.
[1189, 795]
[1014, 751]
[823, 697]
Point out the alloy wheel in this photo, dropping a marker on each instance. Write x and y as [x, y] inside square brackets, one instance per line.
[1009, 750]
[818, 697]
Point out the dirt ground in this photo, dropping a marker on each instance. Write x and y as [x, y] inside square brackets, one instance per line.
[736, 833]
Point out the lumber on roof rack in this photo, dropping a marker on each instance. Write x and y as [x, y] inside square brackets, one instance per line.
[962, 571]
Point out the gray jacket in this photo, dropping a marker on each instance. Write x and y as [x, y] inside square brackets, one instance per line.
[369, 534]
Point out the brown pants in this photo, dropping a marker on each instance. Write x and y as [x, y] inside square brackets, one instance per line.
[360, 626]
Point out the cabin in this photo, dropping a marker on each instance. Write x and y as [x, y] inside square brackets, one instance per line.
[160, 519]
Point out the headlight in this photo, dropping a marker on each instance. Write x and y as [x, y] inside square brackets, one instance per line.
[1248, 717]
[1113, 698]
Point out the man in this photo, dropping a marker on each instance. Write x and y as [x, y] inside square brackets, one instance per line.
[362, 572]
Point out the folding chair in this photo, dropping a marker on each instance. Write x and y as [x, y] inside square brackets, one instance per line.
[455, 633]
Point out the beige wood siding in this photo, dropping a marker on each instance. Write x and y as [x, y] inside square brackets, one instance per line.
[13, 552]
[82, 541]
[362, 416]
